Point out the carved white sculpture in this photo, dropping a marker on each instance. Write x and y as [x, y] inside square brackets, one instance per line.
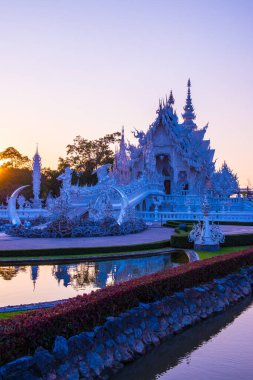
[36, 179]
[102, 172]
[66, 181]
[206, 236]
[12, 210]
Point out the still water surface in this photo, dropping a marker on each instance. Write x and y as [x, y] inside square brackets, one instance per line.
[220, 348]
[40, 283]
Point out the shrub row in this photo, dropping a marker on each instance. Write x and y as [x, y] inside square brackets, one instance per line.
[237, 240]
[67, 228]
[22, 334]
[176, 223]
[182, 241]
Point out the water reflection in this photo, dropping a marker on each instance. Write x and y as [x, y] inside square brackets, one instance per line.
[219, 348]
[38, 283]
[7, 273]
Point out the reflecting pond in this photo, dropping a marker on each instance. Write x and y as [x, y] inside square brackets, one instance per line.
[40, 283]
[219, 348]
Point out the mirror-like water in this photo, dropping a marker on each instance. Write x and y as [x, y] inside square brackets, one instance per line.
[219, 348]
[40, 283]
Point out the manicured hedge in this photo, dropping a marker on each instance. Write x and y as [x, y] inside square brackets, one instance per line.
[237, 240]
[176, 223]
[22, 334]
[182, 240]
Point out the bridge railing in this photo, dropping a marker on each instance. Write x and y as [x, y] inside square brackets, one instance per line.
[153, 216]
[28, 213]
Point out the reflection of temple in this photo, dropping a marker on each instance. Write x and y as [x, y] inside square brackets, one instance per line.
[82, 275]
[116, 271]
[76, 275]
[104, 270]
[104, 273]
[34, 274]
[123, 270]
[61, 273]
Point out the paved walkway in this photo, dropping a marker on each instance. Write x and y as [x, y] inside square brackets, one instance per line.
[151, 235]
[231, 230]
[148, 236]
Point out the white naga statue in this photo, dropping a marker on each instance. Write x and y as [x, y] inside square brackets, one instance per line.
[102, 172]
[66, 180]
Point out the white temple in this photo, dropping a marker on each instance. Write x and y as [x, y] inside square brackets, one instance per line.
[171, 153]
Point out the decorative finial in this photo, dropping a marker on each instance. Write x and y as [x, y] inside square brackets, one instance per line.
[171, 99]
[189, 114]
[122, 142]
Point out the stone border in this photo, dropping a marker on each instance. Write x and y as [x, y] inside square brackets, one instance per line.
[104, 350]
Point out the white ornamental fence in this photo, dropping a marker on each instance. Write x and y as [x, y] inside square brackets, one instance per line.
[159, 216]
[26, 213]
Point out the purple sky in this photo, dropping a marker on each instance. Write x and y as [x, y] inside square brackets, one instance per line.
[89, 67]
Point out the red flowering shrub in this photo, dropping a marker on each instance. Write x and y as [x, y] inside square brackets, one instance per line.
[22, 334]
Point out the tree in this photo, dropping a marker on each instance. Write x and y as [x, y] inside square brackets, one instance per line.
[49, 182]
[11, 179]
[12, 158]
[84, 156]
[225, 182]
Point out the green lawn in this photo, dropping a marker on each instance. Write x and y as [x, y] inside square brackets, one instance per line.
[205, 254]
[12, 314]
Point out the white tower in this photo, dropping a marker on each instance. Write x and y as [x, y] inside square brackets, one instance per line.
[36, 179]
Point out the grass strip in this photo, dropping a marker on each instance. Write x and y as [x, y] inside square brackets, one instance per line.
[11, 314]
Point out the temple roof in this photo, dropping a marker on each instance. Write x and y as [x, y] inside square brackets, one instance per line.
[188, 142]
[189, 114]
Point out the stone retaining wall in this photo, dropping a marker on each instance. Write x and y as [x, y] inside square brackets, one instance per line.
[100, 353]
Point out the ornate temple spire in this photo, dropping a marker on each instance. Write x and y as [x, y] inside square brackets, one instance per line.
[121, 166]
[189, 114]
[34, 274]
[171, 100]
[36, 179]
[122, 141]
[159, 106]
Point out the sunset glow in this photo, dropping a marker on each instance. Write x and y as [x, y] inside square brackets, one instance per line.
[86, 69]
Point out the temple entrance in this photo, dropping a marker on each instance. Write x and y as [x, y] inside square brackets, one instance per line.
[167, 186]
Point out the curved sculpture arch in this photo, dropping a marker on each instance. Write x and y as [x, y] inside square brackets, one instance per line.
[12, 210]
[124, 203]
